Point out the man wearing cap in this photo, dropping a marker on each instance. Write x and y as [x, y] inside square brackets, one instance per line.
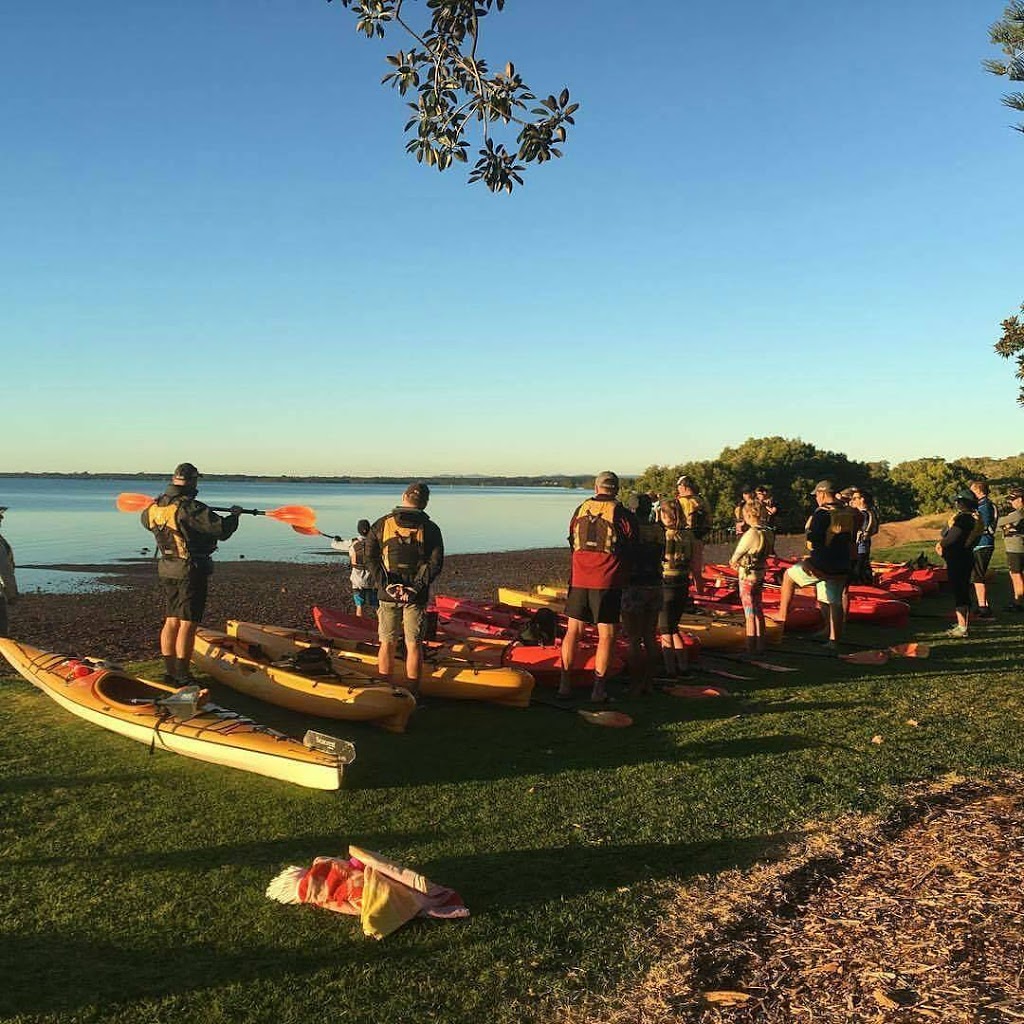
[830, 542]
[404, 555]
[1013, 531]
[602, 534]
[186, 533]
[8, 584]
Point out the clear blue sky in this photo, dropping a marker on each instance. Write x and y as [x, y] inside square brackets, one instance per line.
[793, 218]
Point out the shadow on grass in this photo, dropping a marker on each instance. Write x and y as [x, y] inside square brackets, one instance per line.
[60, 974]
[513, 878]
[269, 854]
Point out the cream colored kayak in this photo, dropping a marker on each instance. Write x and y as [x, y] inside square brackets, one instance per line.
[136, 708]
[444, 677]
[714, 631]
[244, 667]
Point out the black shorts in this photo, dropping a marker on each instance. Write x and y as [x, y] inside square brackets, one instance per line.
[982, 556]
[674, 601]
[186, 598]
[594, 606]
[1015, 561]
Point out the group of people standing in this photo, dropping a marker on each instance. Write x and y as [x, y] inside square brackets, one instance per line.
[635, 566]
[967, 544]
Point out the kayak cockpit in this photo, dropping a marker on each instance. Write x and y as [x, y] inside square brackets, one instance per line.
[116, 688]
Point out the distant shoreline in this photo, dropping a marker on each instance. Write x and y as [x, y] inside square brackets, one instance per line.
[570, 481]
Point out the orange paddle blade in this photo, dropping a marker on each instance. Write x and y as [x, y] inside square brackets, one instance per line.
[614, 719]
[309, 531]
[295, 515]
[684, 690]
[866, 657]
[910, 650]
[127, 502]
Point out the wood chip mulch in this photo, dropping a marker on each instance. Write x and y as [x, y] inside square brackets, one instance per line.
[918, 917]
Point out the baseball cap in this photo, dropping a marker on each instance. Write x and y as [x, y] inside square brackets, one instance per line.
[966, 497]
[186, 471]
[606, 480]
[684, 479]
[1017, 492]
[847, 492]
[824, 485]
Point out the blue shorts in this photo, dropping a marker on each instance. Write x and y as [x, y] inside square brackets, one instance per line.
[366, 598]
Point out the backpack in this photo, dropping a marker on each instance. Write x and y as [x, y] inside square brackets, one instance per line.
[841, 519]
[357, 553]
[541, 630]
[593, 527]
[696, 516]
[401, 547]
[308, 661]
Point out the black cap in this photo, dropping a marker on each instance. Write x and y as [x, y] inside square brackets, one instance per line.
[363, 527]
[186, 471]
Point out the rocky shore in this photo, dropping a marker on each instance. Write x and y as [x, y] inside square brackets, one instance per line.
[123, 623]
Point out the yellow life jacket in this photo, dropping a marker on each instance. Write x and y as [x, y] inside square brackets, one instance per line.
[841, 519]
[593, 527]
[678, 553]
[162, 521]
[401, 547]
[695, 515]
[763, 546]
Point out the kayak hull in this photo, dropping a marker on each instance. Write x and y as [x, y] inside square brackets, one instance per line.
[125, 704]
[447, 678]
[230, 662]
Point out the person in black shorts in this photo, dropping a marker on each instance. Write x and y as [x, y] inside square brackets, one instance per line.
[602, 535]
[956, 546]
[1013, 532]
[186, 533]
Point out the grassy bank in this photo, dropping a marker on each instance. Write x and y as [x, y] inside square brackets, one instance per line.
[133, 884]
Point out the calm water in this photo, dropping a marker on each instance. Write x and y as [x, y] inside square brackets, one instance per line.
[75, 521]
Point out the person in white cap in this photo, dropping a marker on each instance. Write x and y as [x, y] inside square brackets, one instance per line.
[8, 583]
[186, 533]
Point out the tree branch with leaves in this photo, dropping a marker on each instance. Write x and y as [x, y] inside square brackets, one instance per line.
[1008, 35]
[1011, 346]
[456, 92]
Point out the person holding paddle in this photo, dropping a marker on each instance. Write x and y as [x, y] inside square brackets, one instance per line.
[186, 533]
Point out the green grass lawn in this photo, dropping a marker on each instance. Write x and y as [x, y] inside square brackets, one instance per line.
[132, 885]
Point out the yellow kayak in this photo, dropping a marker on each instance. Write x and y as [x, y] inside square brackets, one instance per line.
[548, 590]
[146, 712]
[442, 677]
[530, 600]
[245, 667]
[716, 631]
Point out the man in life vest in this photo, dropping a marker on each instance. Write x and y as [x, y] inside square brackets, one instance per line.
[601, 537]
[986, 545]
[830, 540]
[186, 533]
[8, 584]
[404, 555]
[696, 520]
[364, 593]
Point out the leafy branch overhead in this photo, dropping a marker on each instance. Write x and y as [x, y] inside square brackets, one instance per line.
[456, 92]
[1011, 346]
[1008, 35]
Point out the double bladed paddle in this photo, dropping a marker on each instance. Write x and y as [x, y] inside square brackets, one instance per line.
[294, 515]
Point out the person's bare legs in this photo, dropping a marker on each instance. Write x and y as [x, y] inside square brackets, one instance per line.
[386, 659]
[569, 644]
[413, 663]
[168, 646]
[785, 597]
[981, 593]
[184, 644]
[605, 643]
